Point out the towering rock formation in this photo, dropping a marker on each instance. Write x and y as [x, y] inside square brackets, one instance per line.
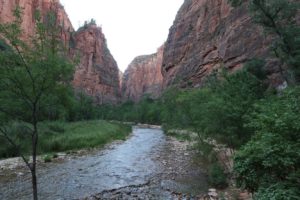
[143, 77]
[207, 34]
[29, 8]
[97, 73]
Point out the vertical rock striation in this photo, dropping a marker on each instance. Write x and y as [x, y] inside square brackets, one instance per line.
[29, 8]
[143, 77]
[97, 73]
[207, 34]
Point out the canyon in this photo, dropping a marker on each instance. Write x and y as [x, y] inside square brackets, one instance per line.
[206, 35]
[96, 73]
[143, 77]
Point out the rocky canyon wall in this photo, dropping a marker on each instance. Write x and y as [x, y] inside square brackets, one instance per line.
[97, 71]
[143, 77]
[29, 8]
[206, 35]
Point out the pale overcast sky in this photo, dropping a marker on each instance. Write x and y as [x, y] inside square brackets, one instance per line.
[131, 27]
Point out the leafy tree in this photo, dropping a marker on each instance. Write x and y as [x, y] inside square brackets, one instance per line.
[219, 112]
[34, 75]
[82, 108]
[270, 161]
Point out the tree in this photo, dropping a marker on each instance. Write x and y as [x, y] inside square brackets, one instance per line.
[34, 72]
[220, 108]
[278, 18]
[269, 163]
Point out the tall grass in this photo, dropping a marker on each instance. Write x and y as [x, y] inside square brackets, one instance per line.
[65, 136]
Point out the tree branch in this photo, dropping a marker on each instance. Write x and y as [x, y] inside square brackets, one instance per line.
[5, 135]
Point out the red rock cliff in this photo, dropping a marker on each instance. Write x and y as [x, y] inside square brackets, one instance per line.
[97, 73]
[29, 8]
[143, 77]
[207, 34]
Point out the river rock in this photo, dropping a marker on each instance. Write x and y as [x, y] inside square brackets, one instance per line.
[212, 192]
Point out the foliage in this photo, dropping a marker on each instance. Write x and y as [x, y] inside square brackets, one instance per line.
[34, 74]
[81, 134]
[87, 24]
[221, 116]
[47, 158]
[34, 77]
[273, 155]
[81, 108]
[256, 68]
[217, 177]
[58, 136]
[214, 111]
[278, 191]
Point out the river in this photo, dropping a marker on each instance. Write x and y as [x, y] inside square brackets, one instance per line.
[130, 163]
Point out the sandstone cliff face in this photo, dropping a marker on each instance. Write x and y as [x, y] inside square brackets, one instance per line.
[207, 34]
[97, 73]
[143, 77]
[29, 7]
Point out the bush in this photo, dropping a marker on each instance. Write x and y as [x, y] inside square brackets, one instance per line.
[272, 155]
[56, 128]
[217, 178]
[278, 191]
[47, 158]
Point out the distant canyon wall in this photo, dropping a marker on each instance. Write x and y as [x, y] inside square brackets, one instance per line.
[143, 77]
[97, 73]
[206, 35]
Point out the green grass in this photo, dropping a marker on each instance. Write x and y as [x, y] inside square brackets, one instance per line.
[180, 137]
[66, 136]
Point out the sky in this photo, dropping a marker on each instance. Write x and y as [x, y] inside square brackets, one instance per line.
[131, 27]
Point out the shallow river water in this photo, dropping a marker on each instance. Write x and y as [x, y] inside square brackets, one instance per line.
[129, 163]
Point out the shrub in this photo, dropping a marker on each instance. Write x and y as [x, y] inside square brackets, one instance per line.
[47, 158]
[56, 128]
[217, 177]
[272, 155]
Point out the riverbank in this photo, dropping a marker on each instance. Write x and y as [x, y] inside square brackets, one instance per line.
[178, 176]
[224, 157]
[117, 165]
[61, 139]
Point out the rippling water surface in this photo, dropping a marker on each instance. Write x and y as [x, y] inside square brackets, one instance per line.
[126, 164]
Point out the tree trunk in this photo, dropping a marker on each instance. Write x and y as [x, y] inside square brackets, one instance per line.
[34, 182]
[33, 166]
